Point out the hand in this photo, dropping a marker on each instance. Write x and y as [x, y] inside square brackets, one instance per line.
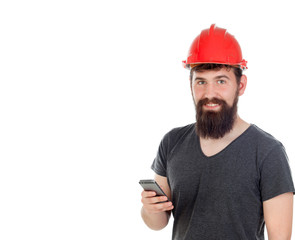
[152, 203]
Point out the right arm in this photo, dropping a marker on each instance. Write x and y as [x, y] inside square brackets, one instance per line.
[156, 215]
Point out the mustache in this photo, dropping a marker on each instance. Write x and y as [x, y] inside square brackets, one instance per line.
[205, 101]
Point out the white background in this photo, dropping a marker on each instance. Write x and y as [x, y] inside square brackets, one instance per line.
[89, 88]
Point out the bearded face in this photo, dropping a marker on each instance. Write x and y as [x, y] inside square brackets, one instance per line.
[216, 93]
[215, 124]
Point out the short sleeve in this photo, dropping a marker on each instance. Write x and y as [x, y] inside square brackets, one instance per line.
[159, 165]
[275, 174]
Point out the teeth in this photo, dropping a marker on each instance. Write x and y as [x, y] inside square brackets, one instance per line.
[211, 104]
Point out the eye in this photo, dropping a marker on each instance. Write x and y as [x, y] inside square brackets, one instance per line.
[221, 81]
[201, 82]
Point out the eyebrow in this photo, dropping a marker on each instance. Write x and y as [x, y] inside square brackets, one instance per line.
[217, 77]
[222, 76]
[199, 78]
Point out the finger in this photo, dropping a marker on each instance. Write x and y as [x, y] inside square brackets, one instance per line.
[153, 200]
[146, 194]
[159, 207]
[156, 200]
[168, 208]
[163, 206]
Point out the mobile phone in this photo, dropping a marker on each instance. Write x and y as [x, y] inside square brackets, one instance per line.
[152, 185]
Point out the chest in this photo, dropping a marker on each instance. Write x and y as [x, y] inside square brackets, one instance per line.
[213, 147]
[228, 175]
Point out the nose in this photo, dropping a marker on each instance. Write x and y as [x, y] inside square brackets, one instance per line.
[210, 91]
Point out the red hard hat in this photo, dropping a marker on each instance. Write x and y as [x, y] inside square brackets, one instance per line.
[215, 45]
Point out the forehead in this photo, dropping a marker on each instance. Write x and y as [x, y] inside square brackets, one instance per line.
[214, 73]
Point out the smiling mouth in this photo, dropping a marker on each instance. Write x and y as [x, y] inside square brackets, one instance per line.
[212, 104]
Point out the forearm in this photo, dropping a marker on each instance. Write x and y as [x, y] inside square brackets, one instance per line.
[279, 237]
[155, 221]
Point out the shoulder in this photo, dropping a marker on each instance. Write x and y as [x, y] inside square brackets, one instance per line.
[263, 138]
[262, 143]
[176, 135]
[180, 132]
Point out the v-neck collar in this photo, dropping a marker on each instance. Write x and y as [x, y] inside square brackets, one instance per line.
[226, 147]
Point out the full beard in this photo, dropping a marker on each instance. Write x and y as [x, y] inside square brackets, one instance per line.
[215, 124]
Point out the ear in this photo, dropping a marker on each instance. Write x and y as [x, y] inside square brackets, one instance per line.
[243, 85]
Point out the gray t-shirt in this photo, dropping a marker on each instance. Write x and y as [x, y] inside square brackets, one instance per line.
[221, 197]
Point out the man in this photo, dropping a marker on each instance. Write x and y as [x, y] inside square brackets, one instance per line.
[226, 178]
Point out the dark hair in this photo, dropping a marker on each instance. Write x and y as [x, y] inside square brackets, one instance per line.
[214, 66]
